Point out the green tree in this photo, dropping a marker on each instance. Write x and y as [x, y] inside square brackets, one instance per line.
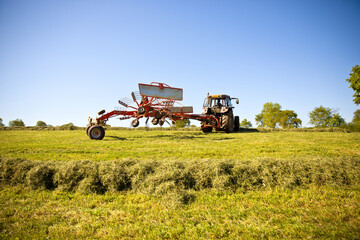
[41, 124]
[272, 116]
[320, 116]
[269, 116]
[259, 120]
[336, 120]
[356, 118]
[245, 123]
[1, 123]
[354, 81]
[289, 119]
[17, 123]
[68, 126]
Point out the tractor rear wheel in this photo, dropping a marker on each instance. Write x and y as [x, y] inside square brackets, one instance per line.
[227, 122]
[96, 132]
[205, 129]
[237, 124]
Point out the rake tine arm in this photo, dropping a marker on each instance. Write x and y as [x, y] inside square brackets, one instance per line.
[134, 98]
[114, 113]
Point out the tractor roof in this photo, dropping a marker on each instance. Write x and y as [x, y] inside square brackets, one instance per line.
[219, 96]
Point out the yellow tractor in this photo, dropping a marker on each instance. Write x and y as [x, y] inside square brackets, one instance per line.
[221, 108]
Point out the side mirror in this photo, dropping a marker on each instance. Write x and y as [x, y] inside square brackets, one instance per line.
[237, 100]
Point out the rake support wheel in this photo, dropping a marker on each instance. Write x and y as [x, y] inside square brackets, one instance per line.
[161, 122]
[87, 130]
[96, 132]
[155, 121]
[135, 122]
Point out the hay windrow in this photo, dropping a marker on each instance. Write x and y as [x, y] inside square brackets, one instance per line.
[159, 177]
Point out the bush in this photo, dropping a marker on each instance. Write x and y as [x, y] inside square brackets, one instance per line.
[351, 127]
[41, 124]
[17, 123]
[245, 123]
[69, 126]
[316, 129]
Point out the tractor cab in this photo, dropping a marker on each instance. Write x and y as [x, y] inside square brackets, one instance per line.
[215, 104]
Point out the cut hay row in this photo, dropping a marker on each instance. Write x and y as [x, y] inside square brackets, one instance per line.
[159, 177]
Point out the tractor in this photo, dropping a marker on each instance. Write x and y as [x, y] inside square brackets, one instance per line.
[158, 101]
[221, 108]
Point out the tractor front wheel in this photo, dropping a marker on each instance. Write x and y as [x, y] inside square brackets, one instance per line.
[205, 129]
[236, 124]
[96, 132]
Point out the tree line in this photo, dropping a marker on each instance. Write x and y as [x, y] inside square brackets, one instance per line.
[20, 123]
[272, 116]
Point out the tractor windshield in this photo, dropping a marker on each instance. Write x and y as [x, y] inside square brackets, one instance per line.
[217, 102]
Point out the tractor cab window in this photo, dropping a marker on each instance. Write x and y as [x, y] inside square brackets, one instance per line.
[229, 104]
[207, 102]
[217, 102]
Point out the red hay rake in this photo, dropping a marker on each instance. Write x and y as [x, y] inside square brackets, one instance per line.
[158, 101]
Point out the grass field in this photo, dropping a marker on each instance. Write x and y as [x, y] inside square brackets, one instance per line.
[179, 185]
[177, 145]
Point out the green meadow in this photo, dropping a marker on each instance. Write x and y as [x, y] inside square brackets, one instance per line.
[138, 184]
[177, 145]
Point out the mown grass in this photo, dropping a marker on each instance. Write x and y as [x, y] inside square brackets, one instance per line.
[179, 185]
[313, 213]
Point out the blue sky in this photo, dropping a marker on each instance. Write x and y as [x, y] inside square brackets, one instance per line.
[63, 60]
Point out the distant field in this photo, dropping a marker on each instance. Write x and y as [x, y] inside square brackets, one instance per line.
[177, 145]
[179, 184]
